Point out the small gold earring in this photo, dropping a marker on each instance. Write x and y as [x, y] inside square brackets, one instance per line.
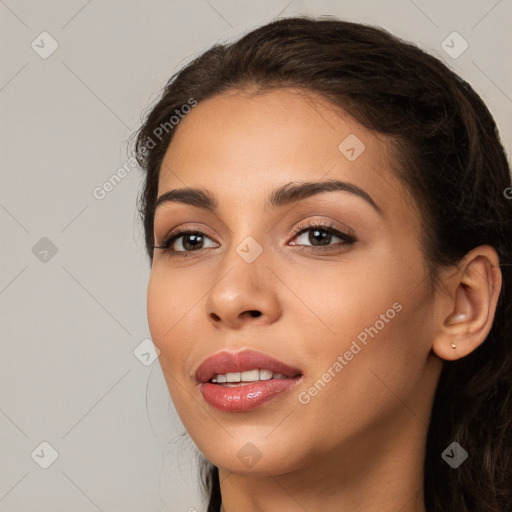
[453, 345]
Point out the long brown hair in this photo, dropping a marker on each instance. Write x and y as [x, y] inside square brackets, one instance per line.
[449, 154]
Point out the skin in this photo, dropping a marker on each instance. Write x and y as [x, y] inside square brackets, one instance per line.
[358, 445]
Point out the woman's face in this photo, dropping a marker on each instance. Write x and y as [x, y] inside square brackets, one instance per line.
[331, 283]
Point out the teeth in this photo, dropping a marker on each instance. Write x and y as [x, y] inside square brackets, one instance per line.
[265, 374]
[250, 376]
[247, 376]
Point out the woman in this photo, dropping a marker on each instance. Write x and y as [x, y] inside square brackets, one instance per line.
[326, 214]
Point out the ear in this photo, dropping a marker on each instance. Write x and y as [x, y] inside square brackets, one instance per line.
[468, 314]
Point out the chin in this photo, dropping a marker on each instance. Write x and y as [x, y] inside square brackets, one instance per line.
[249, 460]
[245, 449]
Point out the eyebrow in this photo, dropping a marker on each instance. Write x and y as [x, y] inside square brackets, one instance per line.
[285, 194]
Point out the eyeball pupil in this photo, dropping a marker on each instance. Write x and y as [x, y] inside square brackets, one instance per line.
[324, 239]
[188, 238]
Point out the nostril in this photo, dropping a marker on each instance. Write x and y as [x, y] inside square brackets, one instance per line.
[254, 313]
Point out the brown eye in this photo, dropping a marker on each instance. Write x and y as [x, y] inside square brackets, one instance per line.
[322, 236]
[189, 241]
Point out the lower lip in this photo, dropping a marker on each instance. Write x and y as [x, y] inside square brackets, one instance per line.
[246, 397]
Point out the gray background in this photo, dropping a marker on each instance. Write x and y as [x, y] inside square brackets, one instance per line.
[72, 320]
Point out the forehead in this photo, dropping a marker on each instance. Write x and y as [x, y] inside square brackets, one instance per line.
[247, 144]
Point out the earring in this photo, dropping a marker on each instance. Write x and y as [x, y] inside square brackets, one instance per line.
[453, 345]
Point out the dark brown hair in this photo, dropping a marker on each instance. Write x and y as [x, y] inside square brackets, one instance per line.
[448, 153]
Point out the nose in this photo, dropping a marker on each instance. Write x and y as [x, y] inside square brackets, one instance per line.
[245, 293]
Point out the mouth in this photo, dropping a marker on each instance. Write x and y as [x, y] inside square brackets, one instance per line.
[243, 366]
[234, 379]
[241, 381]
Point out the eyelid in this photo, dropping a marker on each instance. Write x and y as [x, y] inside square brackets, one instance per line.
[302, 226]
[331, 225]
[185, 228]
[341, 231]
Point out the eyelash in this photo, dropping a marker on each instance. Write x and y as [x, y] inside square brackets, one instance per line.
[299, 230]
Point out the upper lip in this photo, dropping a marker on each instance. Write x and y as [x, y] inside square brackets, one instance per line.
[244, 360]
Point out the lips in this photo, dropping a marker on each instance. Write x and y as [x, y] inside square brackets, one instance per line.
[245, 360]
[244, 396]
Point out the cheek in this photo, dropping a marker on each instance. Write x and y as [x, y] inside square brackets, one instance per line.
[342, 300]
[357, 387]
[167, 307]
[371, 314]
[169, 301]
[157, 309]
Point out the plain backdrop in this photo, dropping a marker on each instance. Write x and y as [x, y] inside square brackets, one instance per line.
[76, 77]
